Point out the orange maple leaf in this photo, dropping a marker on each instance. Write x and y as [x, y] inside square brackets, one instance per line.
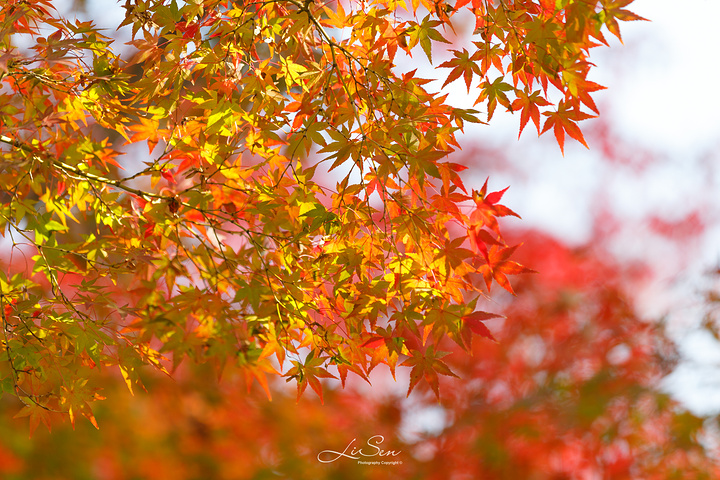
[498, 266]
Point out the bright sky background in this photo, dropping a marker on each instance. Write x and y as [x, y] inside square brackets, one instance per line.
[666, 98]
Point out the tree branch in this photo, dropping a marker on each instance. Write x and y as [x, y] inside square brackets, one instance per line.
[73, 170]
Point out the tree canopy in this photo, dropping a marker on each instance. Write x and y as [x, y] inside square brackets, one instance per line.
[296, 212]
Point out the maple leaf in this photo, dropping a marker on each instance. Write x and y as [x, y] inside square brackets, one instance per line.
[612, 11]
[77, 398]
[308, 373]
[258, 373]
[37, 413]
[427, 365]
[374, 342]
[528, 104]
[499, 265]
[548, 7]
[424, 33]
[273, 345]
[487, 208]
[463, 65]
[344, 367]
[575, 80]
[494, 93]
[148, 129]
[474, 322]
[564, 120]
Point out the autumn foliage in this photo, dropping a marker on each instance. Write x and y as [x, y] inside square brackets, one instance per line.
[296, 213]
[241, 200]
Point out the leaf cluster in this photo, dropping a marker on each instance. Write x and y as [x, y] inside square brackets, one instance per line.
[296, 212]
